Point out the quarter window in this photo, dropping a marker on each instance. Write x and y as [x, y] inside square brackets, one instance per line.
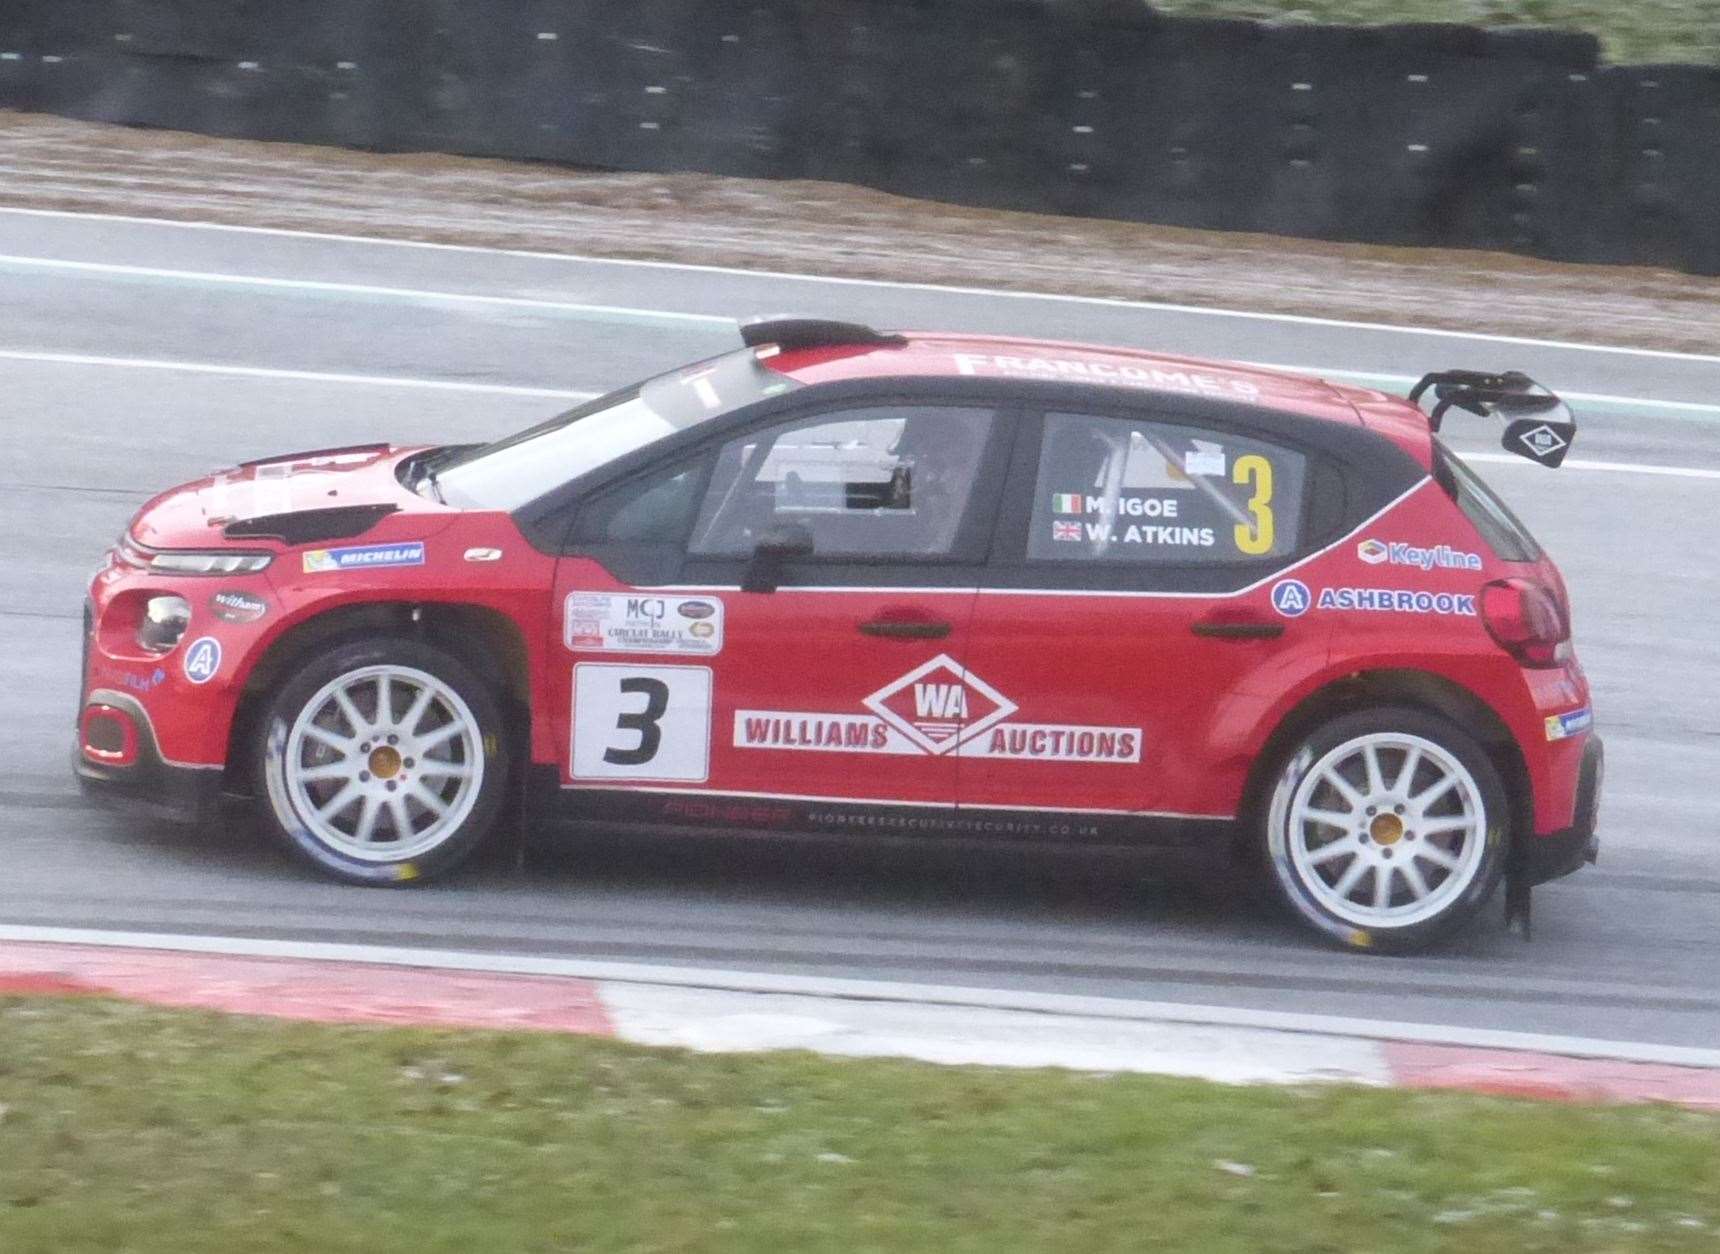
[1152, 493]
[879, 482]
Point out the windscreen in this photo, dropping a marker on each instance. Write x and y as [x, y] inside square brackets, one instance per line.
[513, 471]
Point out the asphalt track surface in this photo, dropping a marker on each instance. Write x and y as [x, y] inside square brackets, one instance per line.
[138, 355]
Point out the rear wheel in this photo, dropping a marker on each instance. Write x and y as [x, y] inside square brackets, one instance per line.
[1387, 829]
[384, 761]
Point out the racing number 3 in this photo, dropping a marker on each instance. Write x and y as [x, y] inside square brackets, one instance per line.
[641, 722]
[644, 722]
[1255, 536]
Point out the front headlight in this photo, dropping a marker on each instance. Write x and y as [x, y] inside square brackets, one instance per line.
[164, 622]
[213, 562]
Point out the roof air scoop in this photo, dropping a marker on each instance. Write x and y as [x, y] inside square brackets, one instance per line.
[793, 333]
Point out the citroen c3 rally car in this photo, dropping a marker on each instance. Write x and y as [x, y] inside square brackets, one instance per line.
[841, 581]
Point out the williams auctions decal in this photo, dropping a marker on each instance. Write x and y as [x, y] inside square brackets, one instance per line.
[937, 708]
[606, 623]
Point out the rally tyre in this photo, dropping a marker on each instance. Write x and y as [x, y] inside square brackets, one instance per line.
[1387, 829]
[383, 761]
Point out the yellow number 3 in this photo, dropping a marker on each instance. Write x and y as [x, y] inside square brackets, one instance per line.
[1256, 537]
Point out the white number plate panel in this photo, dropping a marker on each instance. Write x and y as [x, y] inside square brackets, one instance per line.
[641, 722]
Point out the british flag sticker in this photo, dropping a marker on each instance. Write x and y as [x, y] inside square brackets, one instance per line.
[1065, 531]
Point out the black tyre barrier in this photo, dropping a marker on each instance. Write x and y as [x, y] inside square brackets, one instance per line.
[1432, 135]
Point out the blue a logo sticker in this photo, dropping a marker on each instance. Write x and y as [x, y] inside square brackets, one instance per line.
[202, 659]
[1290, 598]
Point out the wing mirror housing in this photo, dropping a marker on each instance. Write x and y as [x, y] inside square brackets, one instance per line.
[776, 548]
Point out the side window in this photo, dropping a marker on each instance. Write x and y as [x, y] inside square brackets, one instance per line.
[1145, 493]
[880, 482]
[654, 509]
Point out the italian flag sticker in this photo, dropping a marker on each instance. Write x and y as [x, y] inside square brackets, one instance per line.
[1066, 503]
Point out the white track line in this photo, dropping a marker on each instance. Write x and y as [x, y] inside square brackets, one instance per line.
[1577, 463]
[1004, 293]
[1407, 381]
[873, 990]
[307, 376]
[217, 278]
[502, 389]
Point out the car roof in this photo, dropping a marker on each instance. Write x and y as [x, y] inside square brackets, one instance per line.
[921, 354]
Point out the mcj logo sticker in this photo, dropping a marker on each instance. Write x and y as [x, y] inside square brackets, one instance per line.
[1290, 598]
[202, 659]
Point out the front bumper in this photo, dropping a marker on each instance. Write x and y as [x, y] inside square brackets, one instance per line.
[145, 781]
[1541, 858]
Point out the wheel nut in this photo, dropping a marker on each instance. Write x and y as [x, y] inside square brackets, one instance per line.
[364, 777]
[365, 748]
[394, 740]
[1395, 809]
[1384, 853]
[1373, 810]
[410, 762]
[1409, 835]
[389, 785]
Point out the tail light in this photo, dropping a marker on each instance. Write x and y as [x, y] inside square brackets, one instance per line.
[1528, 621]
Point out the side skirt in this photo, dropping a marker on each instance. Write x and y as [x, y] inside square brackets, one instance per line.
[686, 809]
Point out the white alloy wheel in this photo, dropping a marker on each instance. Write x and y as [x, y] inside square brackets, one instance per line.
[383, 763]
[1387, 830]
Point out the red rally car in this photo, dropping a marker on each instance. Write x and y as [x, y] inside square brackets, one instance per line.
[843, 581]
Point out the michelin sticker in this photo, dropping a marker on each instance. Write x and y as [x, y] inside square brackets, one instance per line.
[1560, 726]
[1290, 598]
[1442, 556]
[364, 557]
[202, 659]
[610, 623]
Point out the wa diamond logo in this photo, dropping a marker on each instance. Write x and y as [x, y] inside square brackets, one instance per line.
[939, 705]
[1543, 441]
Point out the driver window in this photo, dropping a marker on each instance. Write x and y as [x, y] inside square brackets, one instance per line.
[892, 481]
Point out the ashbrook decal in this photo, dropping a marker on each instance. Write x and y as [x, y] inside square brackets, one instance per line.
[937, 708]
[1396, 601]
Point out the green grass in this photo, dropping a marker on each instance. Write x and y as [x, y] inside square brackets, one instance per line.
[1629, 30]
[134, 1128]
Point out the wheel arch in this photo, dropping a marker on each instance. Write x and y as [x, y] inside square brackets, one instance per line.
[1417, 689]
[484, 638]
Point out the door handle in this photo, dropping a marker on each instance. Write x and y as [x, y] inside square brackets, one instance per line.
[905, 629]
[1235, 629]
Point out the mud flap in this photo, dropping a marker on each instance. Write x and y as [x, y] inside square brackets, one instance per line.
[1518, 915]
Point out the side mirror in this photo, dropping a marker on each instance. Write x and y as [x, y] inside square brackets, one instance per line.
[777, 547]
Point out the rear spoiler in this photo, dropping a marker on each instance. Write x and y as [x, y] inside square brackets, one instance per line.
[1538, 424]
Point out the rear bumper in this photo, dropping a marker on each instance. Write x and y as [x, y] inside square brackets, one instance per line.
[145, 780]
[1542, 858]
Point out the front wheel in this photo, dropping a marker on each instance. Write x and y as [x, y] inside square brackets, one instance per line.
[1387, 829]
[384, 761]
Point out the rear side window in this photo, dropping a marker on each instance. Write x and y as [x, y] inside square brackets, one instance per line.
[1499, 527]
[1152, 493]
